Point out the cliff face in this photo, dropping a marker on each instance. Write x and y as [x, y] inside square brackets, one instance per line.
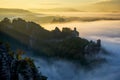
[12, 68]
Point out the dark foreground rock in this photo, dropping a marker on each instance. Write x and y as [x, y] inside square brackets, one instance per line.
[12, 67]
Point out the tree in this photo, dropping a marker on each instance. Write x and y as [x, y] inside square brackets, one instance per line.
[18, 54]
[6, 21]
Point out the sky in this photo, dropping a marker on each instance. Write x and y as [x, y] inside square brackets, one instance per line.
[45, 4]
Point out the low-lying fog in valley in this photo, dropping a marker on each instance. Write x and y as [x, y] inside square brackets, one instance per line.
[48, 17]
[57, 55]
[108, 32]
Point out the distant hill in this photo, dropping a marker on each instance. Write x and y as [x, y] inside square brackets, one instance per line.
[105, 6]
[7, 10]
[56, 9]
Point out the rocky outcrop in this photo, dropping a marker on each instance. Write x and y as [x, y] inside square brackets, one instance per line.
[93, 48]
[64, 44]
[12, 68]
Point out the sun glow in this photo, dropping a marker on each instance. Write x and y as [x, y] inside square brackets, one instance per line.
[87, 5]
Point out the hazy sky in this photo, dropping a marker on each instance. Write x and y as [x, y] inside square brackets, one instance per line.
[88, 5]
[44, 3]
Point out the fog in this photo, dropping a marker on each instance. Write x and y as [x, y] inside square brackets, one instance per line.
[104, 28]
[108, 32]
[47, 17]
[83, 14]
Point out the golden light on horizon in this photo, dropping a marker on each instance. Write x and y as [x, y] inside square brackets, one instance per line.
[47, 4]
